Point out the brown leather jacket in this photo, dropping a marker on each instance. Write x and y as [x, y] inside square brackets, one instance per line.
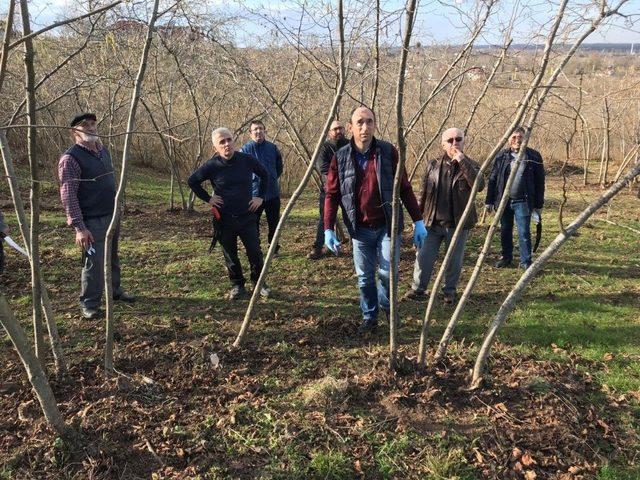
[461, 185]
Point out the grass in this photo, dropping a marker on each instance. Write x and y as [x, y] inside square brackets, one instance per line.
[294, 415]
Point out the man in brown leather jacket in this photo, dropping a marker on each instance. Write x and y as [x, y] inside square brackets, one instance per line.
[445, 192]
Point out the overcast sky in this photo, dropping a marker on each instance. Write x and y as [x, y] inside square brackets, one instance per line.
[435, 23]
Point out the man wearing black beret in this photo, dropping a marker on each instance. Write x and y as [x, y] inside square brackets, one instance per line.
[88, 191]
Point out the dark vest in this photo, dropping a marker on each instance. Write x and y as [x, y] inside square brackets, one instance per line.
[96, 198]
[347, 179]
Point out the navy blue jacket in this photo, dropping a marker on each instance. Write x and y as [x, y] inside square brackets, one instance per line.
[270, 158]
[231, 179]
[533, 178]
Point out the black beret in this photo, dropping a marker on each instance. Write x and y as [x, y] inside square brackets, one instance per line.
[82, 117]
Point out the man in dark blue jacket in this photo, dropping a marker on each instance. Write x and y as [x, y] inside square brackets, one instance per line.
[231, 175]
[526, 197]
[270, 158]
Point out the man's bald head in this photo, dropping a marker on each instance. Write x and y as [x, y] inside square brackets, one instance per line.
[336, 131]
[452, 141]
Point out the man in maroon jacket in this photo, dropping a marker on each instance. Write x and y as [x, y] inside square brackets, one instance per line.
[360, 178]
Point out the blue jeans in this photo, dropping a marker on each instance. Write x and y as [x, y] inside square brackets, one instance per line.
[520, 210]
[371, 251]
[426, 257]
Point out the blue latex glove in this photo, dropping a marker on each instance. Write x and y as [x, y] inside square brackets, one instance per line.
[331, 241]
[419, 233]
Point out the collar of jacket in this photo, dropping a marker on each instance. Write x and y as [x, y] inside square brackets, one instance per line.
[444, 157]
[372, 147]
[222, 161]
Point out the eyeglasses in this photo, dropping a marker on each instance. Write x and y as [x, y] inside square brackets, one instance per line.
[456, 139]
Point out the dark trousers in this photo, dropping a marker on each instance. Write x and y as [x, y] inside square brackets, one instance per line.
[320, 231]
[243, 227]
[92, 278]
[272, 210]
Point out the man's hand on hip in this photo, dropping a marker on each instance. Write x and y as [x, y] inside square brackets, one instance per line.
[255, 203]
[84, 239]
[216, 201]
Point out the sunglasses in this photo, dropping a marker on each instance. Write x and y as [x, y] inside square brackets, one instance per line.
[456, 139]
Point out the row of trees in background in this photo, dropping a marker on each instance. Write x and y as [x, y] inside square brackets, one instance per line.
[160, 84]
[188, 90]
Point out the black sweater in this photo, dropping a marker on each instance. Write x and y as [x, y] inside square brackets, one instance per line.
[231, 179]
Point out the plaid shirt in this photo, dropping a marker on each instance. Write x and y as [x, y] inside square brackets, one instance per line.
[69, 174]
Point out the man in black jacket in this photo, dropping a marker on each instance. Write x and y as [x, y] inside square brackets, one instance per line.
[335, 141]
[231, 175]
[526, 197]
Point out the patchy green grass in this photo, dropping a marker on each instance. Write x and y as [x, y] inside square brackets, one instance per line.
[301, 400]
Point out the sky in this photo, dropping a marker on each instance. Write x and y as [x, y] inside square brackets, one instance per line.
[437, 21]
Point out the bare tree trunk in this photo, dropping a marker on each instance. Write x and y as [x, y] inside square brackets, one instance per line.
[410, 11]
[625, 162]
[117, 211]
[604, 161]
[35, 373]
[514, 295]
[34, 257]
[422, 352]
[586, 148]
[8, 28]
[376, 76]
[301, 186]
[54, 337]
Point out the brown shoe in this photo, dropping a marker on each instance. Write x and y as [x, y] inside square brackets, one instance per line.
[317, 253]
[415, 295]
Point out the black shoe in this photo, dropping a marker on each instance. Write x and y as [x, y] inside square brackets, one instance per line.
[503, 263]
[368, 326]
[91, 313]
[236, 292]
[525, 266]
[125, 297]
[450, 298]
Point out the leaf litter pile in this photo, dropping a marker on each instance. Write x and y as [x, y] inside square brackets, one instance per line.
[199, 409]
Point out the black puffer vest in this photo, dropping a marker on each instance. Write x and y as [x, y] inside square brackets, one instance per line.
[347, 179]
[96, 198]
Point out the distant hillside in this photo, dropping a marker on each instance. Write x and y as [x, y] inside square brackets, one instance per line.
[585, 47]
